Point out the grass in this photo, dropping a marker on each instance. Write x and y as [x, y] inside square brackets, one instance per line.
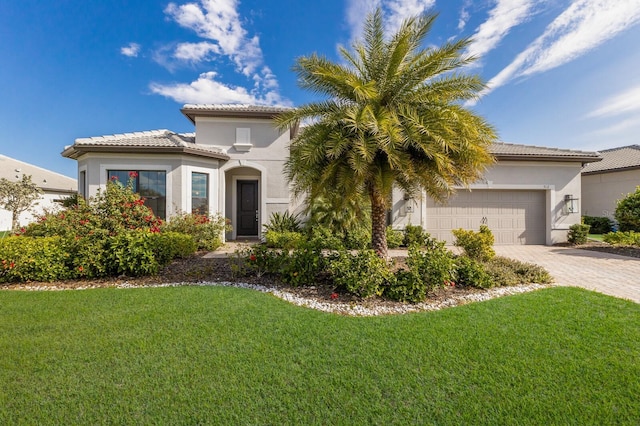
[206, 355]
[597, 237]
[4, 234]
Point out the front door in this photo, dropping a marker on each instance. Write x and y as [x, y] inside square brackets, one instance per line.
[247, 220]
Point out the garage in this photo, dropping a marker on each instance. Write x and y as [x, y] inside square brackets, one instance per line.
[514, 216]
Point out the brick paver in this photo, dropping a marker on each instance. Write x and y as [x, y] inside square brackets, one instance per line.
[603, 272]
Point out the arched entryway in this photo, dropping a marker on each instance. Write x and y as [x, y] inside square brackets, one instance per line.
[244, 200]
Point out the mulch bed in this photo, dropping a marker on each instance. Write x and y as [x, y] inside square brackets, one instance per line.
[197, 268]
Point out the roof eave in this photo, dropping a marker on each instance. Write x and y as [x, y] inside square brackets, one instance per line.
[555, 158]
[74, 151]
[192, 113]
[618, 169]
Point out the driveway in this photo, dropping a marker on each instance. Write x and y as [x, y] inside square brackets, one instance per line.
[606, 273]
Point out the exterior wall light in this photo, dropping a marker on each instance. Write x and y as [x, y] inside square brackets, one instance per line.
[570, 204]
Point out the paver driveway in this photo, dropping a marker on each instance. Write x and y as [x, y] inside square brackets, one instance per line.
[603, 272]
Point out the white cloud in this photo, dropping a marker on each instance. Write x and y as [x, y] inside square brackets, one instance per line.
[464, 15]
[505, 15]
[219, 21]
[582, 27]
[206, 90]
[395, 12]
[132, 50]
[628, 101]
[399, 10]
[219, 24]
[195, 52]
[620, 127]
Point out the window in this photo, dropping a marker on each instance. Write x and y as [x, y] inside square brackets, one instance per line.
[200, 193]
[150, 184]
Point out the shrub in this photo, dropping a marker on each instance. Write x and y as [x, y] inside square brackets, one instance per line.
[363, 274]
[578, 233]
[471, 273]
[206, 230]
[628, 212]
[131, 253]
[476, 245]
[172, 245]
[407, 286]
[258, 260]
[599, 225]
[628, 238]
[283, 239]
[508, 272]
[114, 233]
[357, 238]
[323, 237]
[435, 265]
[303, 266]
[32, 259]
[283, 222]
[414, 235]
[394, 238]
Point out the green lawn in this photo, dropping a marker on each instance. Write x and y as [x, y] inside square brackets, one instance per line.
[597, 237]
[210, 355]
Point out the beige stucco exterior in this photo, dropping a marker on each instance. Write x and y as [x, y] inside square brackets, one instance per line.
[601, 191]
[241, 147]
[554, 179]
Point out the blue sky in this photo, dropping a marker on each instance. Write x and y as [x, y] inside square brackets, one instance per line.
[561, 73]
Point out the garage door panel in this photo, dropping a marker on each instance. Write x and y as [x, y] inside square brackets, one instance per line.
[514, 217]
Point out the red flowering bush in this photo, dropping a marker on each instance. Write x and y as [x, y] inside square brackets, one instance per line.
[112, 234]
[206, 230]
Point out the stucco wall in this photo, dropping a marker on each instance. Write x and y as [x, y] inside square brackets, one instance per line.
[600, 192]
[556, 178]
[268, 143]
[45, 203]
[177, 168]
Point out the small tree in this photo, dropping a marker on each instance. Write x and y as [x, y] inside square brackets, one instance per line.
[18, 197]
[628, 212]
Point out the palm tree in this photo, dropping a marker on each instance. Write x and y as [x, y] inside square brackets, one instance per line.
[394, 117]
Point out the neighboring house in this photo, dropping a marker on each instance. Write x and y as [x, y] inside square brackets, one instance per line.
[53, 185]
[606, 182]
[233, 164]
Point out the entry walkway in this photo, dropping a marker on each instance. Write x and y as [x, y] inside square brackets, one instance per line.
[603, 272]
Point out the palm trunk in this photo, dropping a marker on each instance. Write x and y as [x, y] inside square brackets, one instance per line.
[378, 223]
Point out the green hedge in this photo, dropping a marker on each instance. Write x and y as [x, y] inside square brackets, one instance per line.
[33, 259]
[132, 253]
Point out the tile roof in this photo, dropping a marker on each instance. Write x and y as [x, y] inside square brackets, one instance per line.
[506, 151]
[501, 149]
[614, 159]
[162, 140]
[231, 110]
[13, 170]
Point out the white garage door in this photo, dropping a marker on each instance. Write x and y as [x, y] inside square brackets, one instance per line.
[514, 217]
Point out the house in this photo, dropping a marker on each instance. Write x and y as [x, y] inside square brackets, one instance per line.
[234, 161]
[53, 185]
[607, 181]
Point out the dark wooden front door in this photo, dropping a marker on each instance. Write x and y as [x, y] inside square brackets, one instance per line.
[247, 208]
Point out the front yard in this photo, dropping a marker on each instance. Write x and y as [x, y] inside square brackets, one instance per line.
[198, 355]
